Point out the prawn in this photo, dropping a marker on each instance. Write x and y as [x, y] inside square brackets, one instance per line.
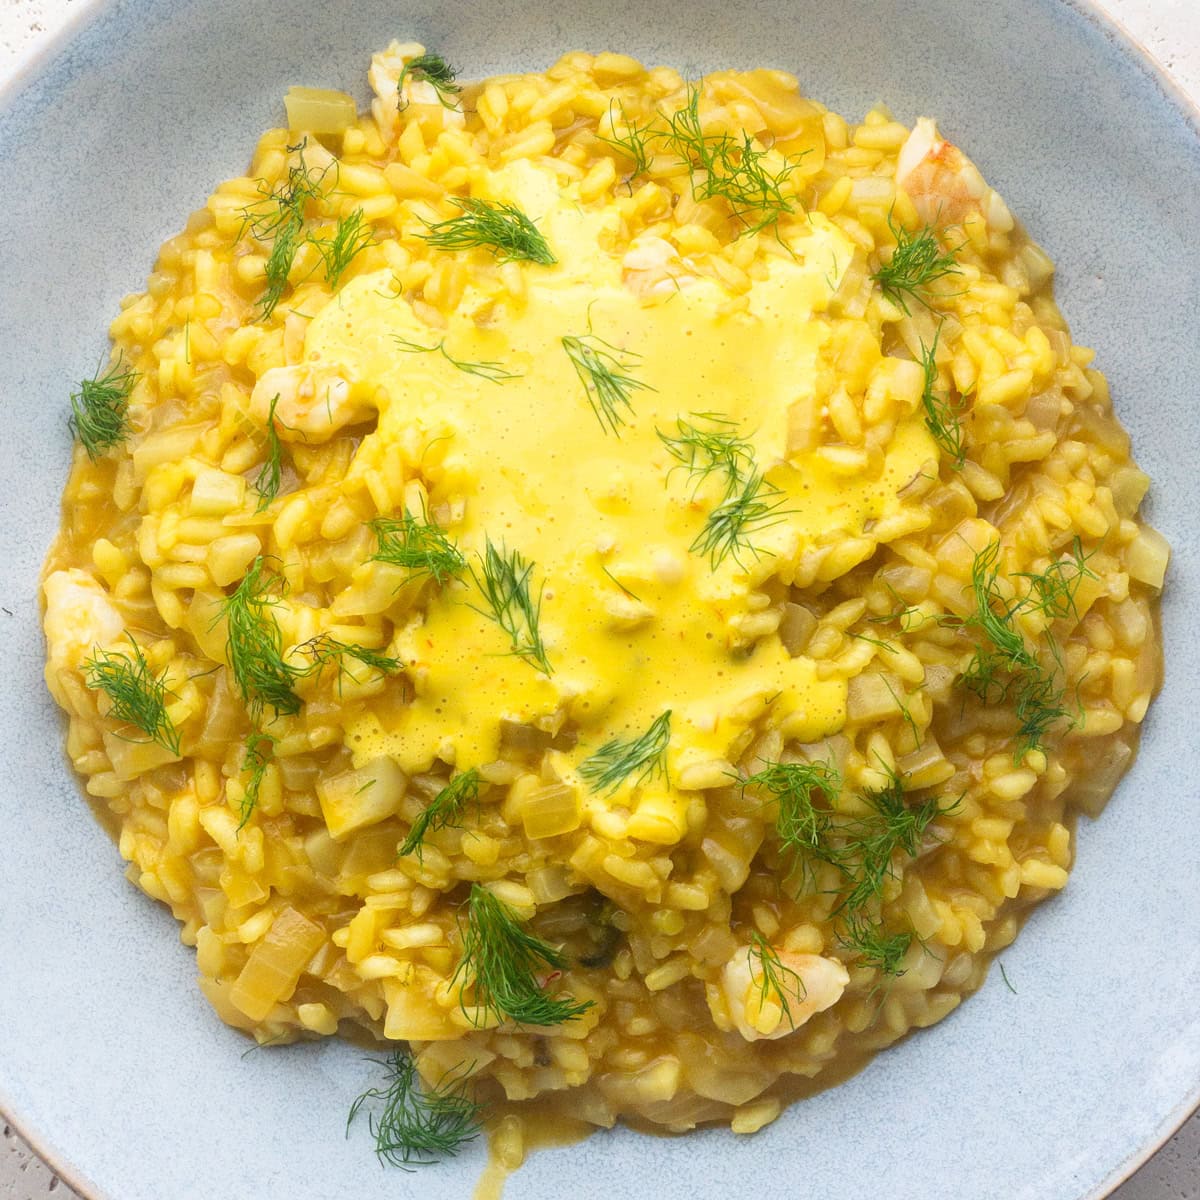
[311, 402]
[944, 185]
[758, 1007]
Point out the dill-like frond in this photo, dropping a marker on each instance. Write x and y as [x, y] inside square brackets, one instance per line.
[873, 945]
[773, 976]
[910, 617]
[254, 646]
[278, 269]
[502, 229]
[280, 216]
[417, 1125]
[505, 579]
[1007, 981]
[99, 409]
[1053, 591]
[870, 843]
[904, 710]
[260, 749]
[325, 649]
[493, 372]
[749, 504]
[941, 417]
[917, 261]
[445, 809]
[714, 447]
[352, 235]
[995, 615]
[266, 482]
[633, 140]
[418, 545]
[288, 201]
[641, 757]
[730, 528]
[604, 372]
[731, 169]
[1005, 666]
[803, 827]
[434, 70]
[137, 697]
[1039, 705]
[501, 963]
[631, 594]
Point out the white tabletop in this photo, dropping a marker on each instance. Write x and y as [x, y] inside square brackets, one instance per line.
[1163, 26]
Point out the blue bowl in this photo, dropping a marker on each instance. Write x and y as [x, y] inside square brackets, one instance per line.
[110, 1059]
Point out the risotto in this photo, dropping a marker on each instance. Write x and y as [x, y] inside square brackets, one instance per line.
[614, 586]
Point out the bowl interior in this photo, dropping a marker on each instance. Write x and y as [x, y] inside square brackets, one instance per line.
[109, 1056]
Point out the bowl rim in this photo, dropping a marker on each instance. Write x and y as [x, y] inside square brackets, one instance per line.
[34, 59]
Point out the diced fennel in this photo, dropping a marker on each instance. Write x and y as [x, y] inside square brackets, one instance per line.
[319, 110]
[361, 797]
[275, 964]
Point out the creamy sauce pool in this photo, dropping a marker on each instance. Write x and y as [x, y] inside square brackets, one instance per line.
[633, 620]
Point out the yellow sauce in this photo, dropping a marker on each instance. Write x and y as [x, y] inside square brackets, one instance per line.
[633, 620]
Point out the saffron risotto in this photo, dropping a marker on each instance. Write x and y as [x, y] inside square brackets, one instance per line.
[617, 586]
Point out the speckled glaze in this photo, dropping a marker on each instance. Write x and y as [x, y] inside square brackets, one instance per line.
[113, 1063]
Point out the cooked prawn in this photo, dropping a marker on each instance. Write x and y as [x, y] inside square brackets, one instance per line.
[652, 267]
[758, 1009]
[311, 402]
[79, 617]
[944, 185]
[384, 77]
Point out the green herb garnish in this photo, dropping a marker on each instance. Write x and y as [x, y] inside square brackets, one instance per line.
[445, 809]
[917, 261]
[266, 482]
[325, 649]
[773, 976]
[260, 748]
[417, 1125]
[909, 616]
[1053, 591]
[418, 545]
[748, 504]
[803, 828]
[633, 143]
[941, 417]
[493, 372]
[505, 579]
[1004, 665]
[137, 697]
[604, 372]
[434, 70]
[99, 409]
[714, 447]
[873, 945]
[278, 268]
[731, 169]
[870, 843]
[255, 646]
[641, 757]
[502, 960]
[280, 216]
[502, 229]
[352, 235]
[866, 857]
[730, 528]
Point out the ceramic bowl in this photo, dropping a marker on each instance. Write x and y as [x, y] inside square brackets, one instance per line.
[110, 1059]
